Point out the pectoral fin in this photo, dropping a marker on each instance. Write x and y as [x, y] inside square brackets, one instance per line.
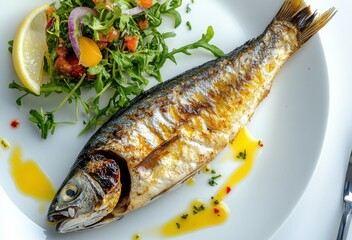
[153, 158]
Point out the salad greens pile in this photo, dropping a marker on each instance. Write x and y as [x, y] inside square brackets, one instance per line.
[123, 70]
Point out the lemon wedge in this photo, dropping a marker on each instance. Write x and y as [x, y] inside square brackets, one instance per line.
[29, 47]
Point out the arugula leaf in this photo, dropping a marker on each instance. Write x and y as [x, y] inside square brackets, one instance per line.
[175, 15]
[169, 8]
[44, 121]
[202, 43]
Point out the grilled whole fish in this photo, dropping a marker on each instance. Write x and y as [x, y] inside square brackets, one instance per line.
[172, 130]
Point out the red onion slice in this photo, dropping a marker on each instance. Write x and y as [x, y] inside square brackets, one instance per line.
[75, 26]
[133, 11]
[50, 23]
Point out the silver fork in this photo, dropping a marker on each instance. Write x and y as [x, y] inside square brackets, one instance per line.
[347, 200]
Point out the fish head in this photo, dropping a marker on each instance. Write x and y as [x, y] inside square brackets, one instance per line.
[87, 197]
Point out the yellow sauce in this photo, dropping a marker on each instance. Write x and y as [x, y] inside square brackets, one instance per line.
[198, 216]
[244, 148]
[190, 181]
[136, 236]
[206, 169]
[29, 178]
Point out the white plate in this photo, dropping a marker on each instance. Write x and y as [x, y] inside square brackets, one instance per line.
[291, 121]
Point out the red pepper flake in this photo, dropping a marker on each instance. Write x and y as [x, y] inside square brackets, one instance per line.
[216, 210]
[228, 190]
[15, 123]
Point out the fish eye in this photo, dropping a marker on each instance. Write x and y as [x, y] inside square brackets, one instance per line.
[69, 192]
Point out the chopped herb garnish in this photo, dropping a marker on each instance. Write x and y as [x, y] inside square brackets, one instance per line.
[206, 168]
[189, 25]
[184, 216]
[188, 8]
[242, 155]
[178, 225]
[213, 171]
[216, 202]
[212, 180]
[4, 143]
[10, 45]
[198, 209]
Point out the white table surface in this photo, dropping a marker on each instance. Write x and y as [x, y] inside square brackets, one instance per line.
[317, 214]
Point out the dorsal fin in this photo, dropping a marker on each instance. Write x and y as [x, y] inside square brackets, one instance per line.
[152, 159]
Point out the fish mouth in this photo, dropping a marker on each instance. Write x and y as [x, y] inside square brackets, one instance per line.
[64, 214]
[61, 218]
[67, 222]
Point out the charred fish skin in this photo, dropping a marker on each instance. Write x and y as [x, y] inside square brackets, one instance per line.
[172, 130]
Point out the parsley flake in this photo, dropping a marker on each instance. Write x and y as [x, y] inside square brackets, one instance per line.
[242, 155]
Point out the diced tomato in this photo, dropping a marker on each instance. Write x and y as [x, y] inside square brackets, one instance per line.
[131, 43]
[103, 38]
[61, 50]
[50, 11]
[70, 66]
[72, 59]
[78, 71]
[102, 45]
[63, 66]
[146, 3]
[143, 24]
[109, 37]
[113, 34]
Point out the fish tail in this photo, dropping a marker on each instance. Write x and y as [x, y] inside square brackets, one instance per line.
[307, 22]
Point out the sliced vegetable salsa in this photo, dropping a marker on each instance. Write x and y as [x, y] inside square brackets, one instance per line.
[109, 46]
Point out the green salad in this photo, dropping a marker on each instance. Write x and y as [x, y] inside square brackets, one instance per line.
[110, 47]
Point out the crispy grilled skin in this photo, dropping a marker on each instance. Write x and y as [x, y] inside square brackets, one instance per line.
[175, 128]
